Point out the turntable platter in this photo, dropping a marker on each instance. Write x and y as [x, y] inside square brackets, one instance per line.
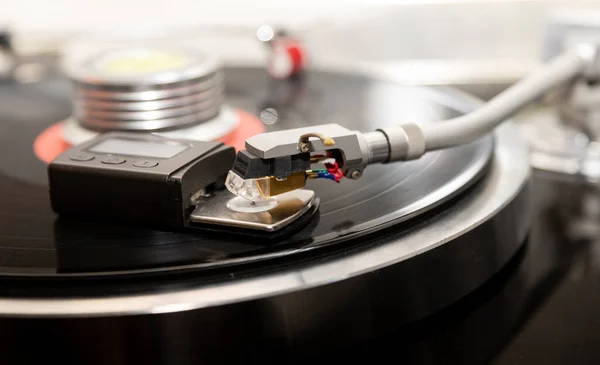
[401, 243]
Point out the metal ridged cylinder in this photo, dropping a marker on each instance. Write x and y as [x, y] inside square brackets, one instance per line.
[378, 147]
[146, 89]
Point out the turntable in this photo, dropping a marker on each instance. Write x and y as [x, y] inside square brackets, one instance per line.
[399, 224]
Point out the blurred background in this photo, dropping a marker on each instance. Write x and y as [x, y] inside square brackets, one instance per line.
[478, 41]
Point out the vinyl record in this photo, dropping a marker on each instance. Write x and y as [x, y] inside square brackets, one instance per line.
[36, 242]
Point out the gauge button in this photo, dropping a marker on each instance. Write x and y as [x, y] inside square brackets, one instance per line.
[81, 157]
[145, 163]
[113, 160]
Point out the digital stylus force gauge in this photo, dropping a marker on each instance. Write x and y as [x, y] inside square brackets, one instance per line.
[139, 177]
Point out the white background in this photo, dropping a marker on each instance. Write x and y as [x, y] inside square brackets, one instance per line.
[77, 15]
[499, 35]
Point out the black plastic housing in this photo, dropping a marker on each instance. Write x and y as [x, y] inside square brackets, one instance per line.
[160, 195]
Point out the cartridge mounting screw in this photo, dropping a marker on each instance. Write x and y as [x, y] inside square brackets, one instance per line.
[304, 147]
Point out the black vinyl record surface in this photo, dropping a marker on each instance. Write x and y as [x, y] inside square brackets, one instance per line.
[36, 242]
